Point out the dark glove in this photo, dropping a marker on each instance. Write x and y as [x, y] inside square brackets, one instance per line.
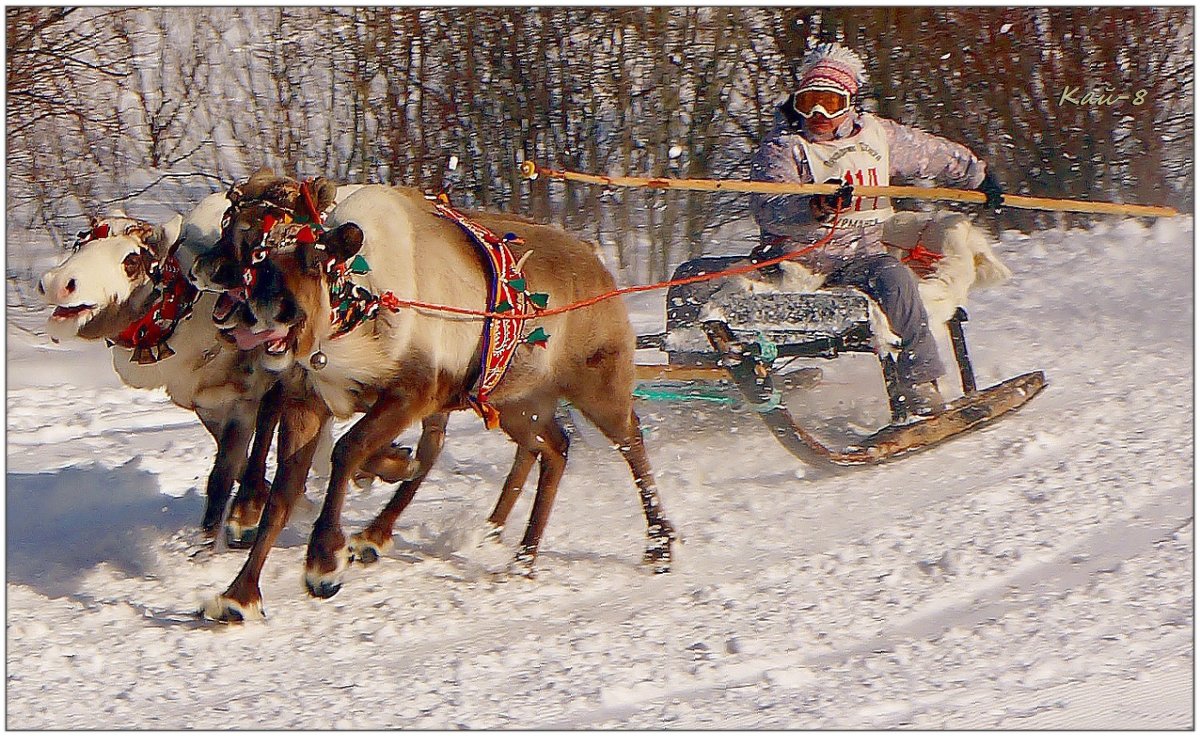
[991, 187]
[824, 205]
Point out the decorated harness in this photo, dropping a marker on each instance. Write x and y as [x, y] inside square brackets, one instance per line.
[507, 292]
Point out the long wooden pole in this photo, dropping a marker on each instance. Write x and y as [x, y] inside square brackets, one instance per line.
[531, 170]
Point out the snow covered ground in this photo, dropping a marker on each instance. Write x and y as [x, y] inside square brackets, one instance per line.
[1036, 574]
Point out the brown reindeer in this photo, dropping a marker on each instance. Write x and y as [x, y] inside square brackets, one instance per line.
[407, 365]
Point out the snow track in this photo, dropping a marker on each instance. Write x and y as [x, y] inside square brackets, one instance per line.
[1035, 574]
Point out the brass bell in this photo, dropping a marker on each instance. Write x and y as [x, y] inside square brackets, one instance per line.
[318, 360]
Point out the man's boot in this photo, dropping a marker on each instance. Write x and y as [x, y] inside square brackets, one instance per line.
[923, 399]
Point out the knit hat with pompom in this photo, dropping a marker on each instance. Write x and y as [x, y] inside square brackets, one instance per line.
[832, 65]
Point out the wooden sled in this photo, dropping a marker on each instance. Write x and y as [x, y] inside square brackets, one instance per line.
[739, 336]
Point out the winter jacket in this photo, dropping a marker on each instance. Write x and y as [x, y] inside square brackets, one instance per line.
[787, 224]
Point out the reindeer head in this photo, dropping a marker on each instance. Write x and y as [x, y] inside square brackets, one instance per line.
[284, 301]
[255, 207]
[93, 290]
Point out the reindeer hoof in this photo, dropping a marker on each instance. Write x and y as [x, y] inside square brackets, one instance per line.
[322, 588]
[367, 551]
[658, 552]
[226, 610]
[522, 564]
[238, 536]
[327, 584]
[493, 533]
[658, 562]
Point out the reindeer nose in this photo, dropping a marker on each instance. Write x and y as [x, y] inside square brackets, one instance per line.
[70, 288]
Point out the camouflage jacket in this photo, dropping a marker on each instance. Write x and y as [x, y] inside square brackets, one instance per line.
[786, 222]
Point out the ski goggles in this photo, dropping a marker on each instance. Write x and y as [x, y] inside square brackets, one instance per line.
[829, 102]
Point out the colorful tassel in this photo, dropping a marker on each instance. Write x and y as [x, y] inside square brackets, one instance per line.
[538, 337]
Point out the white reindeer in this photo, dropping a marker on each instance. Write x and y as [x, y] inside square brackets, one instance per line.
[113, 282]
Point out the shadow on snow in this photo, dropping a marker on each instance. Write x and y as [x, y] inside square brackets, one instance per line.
[61, 524]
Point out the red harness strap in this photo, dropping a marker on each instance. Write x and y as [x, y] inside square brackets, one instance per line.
[919, 258]
[148, 336]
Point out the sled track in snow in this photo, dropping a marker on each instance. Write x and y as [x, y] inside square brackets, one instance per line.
[1101, 552]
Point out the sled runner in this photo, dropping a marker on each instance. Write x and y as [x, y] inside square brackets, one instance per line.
[739, 336]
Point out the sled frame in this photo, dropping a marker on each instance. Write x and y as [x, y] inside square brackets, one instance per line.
[752, 374]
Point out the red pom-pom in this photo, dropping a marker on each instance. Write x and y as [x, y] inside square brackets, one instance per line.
[100, 231]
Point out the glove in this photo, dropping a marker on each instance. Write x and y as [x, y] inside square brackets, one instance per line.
[823, 206]
[991, 187]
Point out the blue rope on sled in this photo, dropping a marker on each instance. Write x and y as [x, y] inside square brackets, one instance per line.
[652, 394]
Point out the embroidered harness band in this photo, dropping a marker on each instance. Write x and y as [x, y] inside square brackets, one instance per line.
[507, 292]
[148, 336]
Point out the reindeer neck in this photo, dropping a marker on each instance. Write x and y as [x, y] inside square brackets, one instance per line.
[169, 300]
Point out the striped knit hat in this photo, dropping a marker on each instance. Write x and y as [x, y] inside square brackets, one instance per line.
[833, 65]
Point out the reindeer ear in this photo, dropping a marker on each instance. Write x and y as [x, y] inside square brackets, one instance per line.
[342, 243]
[324, 192]
[162, 237]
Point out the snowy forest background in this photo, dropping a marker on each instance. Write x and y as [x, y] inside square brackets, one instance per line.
[139, 108]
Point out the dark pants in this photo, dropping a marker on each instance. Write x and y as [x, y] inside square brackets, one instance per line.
[894, 287]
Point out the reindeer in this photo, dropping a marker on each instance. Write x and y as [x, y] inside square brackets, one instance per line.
[108, 288]
[120, 272]
[407, 365]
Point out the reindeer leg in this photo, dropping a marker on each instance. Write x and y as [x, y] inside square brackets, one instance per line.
[625, 430]
[232, 433]
[513, 485]
[247, 509]
[373, 541]
[328, 555]
[658, 529]
[300, 425]
[546, 439]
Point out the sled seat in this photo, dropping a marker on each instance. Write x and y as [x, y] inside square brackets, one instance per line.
[811, 324]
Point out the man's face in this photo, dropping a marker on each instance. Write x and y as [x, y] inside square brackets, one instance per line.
[823, 126]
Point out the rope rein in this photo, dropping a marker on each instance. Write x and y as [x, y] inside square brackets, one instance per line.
[396, 303]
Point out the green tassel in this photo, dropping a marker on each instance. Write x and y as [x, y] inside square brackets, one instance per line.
[359, 265]
[518, 284]
[502, 307]
[537, 337]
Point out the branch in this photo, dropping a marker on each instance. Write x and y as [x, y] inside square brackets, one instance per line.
[39, 27]
[158, 181]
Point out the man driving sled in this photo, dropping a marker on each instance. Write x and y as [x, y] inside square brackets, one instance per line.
[820, 136]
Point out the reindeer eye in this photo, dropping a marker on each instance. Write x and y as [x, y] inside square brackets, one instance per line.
[132, 264]
[258, 255]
